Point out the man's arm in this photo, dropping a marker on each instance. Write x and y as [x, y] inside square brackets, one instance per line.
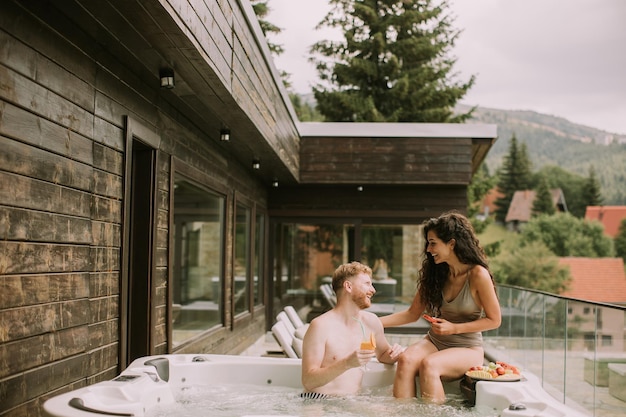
[313, 351]
[384, 352]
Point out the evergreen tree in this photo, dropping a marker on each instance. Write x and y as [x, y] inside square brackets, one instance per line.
[620, 241]
[392, 64]
[543, 203]
[571, 184]
[261, 9]
[514, 175]
[305, 111]
[591, 189]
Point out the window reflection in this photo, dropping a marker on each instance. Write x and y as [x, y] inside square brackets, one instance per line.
[306, 255]
[259, 258]
[197, 269]
[242, 256]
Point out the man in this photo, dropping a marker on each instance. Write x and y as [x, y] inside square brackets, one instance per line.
[332, 361]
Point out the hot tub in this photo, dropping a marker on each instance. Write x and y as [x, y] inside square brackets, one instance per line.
[156, 381]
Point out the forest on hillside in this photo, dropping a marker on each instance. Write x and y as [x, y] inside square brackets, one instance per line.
[555, 141]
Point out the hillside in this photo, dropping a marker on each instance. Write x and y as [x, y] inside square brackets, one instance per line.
[556, 141]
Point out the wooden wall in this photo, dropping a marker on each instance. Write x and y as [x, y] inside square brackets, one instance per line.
[390, 160]
[64, 102]
[400, 204]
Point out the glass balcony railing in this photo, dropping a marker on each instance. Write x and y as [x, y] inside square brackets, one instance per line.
[576, 348]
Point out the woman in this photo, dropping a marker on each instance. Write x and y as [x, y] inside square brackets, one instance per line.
[456, 288]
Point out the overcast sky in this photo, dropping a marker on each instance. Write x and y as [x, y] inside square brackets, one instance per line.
[565, 58]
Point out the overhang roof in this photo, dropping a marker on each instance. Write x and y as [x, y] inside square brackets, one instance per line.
[404, 130]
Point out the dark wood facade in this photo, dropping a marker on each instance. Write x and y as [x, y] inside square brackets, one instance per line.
[79, 99]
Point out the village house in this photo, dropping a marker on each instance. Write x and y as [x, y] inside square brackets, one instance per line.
[601, 280]
[610, 216]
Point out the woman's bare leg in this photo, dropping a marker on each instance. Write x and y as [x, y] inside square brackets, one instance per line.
[447, 364]
[407, 368]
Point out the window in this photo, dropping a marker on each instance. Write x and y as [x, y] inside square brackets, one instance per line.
[241, 268]
[307, 254]
[259, 259]
[198, 253]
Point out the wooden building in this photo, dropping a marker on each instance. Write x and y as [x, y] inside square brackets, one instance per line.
[152, 172]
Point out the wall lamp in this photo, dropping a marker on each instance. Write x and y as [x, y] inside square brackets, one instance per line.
[275, 183]
[359, 188]
[167, 77]
[256, 164]
[225, 135]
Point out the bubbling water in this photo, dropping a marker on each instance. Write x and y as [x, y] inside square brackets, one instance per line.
[230, 400]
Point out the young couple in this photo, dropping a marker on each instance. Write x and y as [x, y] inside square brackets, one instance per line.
[455, 287]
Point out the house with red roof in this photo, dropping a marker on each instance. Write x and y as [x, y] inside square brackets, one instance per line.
[596, 279]
[601, 280]
[610, 216]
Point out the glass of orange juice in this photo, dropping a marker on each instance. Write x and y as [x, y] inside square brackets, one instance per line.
[368, 345]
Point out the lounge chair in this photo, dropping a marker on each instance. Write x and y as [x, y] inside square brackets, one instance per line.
[297, 322]
[329, 294]
[285, 339]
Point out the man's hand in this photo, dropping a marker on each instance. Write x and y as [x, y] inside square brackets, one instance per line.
[361, 357]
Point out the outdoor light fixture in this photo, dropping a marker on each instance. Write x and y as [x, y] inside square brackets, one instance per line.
[275, 183]
[225, 135]
[167, 77]
[359, 188]
[256, 164]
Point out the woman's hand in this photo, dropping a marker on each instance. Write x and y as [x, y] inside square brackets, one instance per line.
[443, 327]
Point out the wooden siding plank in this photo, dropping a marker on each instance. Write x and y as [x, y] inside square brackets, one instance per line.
[35, 194]
[37, 258]
[45, 72]
[43, 318]
[31, 352]
[103, 309]
[103, 283]
[36, 226]
[24, 386]
[43, 165]
[108, 160]
[25, 93]
[105, 259]
[106, 234]
[103, 333]
[109, 135]
[106, 209]
[20, 124]
[29, 290]
[116, 104]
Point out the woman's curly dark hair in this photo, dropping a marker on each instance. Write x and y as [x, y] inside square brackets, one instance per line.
[432, 276]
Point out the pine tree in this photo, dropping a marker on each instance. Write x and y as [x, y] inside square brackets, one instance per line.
[392, 64]
[543, 203]
[515, 174]
[261, 9]
[591, 189]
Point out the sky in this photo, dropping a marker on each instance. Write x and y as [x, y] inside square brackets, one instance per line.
[564, 58]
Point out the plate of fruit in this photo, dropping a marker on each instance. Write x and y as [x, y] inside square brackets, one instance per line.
[494, 371]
